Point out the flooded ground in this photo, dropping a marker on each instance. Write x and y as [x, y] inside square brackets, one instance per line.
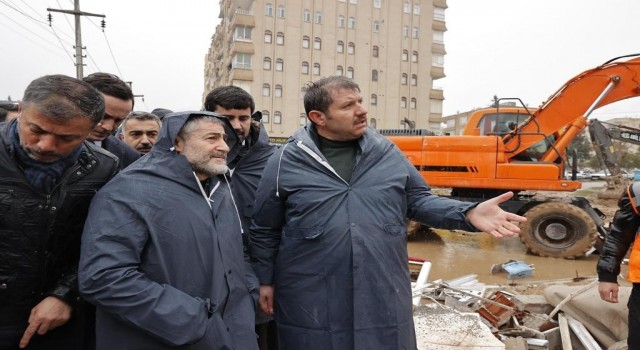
[454, 254]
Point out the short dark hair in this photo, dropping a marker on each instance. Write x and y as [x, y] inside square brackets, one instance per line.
[228, 97]
[111, 85]
[63, 98]
[137, 115]
[317, 96]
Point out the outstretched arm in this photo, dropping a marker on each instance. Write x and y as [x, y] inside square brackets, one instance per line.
[490, 218]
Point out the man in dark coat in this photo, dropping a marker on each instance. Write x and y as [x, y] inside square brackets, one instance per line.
[246, 165]
[119, 101]
[162, 255]
[48, 178]
[329, 231]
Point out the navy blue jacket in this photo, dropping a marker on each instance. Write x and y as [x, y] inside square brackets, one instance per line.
[162, 263]
[336, 251]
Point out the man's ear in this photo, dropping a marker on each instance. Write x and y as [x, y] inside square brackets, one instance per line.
[317, 117]
[121, 136]
[179, 145]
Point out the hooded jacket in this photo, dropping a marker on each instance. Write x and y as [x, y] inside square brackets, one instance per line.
[247, 173]
[336, 252]
[163, 263]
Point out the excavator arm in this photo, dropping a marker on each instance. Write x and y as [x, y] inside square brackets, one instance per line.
[566, 111]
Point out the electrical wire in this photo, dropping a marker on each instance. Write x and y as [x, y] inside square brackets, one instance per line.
[66, 17]
[27, 38]
[112, 56]
[14, 7]
[60, 41]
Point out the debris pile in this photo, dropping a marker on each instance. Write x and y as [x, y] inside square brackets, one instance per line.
[463, 313]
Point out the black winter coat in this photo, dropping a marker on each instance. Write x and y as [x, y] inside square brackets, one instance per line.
[40, 233]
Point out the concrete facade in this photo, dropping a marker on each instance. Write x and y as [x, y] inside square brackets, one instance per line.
[393, 49]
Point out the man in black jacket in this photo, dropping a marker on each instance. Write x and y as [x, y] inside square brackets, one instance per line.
[48, 176]
[118, 99]
[246, 163]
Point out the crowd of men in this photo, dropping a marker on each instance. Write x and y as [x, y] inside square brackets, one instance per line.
[122, 229]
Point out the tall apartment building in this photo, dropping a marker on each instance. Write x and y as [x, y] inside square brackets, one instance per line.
[393, 49]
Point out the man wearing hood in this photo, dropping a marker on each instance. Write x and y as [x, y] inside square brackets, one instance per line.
[246, 166]
[162, 254]
[329, 232]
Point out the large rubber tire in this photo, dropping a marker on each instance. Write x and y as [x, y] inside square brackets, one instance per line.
[558, 230]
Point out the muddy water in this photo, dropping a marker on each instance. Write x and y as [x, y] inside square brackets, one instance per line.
[454, 254]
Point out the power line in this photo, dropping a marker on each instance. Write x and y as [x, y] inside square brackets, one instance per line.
[27, 38]
[112, 56]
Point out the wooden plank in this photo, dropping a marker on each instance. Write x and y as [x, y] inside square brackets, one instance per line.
[565, 334]
[583, 334]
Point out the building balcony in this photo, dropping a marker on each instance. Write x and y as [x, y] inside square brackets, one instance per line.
[437, 72]
[243, 18]
[241, 74]
[440, 3]
[439, 25]
[242, 47]
[438, 48]
[435, 118]
[436, 94]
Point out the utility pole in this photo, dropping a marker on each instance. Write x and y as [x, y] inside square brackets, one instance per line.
[77, 13]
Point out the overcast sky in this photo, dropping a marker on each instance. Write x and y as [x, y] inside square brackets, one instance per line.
[509, 48]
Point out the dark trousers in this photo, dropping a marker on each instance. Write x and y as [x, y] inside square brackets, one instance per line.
[634, 318]
[267, 336]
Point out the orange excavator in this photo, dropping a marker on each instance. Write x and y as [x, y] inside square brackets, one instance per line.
[522, 150]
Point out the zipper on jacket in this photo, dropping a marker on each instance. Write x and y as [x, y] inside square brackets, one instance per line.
[319, 159]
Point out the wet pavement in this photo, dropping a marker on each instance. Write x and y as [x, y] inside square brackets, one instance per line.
[454, 254]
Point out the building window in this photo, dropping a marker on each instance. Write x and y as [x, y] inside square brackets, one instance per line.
[305, 42]
[412, 104]
[376, 26]
[316, 69]
[374, 99]
[268, 36]
[266, 63]
[414, 56]
[243, 32]
[242, 60]
[268, 10]
[414, 79]
[353, 1]
[277, 92]
[265, 116]
[277, 117]
[352, 23]
[303, 119]
[438, 36]
[407, 7]
[351, 48]
[438, 60]
[341, 21]
[306, 15]
[339, 70]
[340, 46]
[281, 11]
[279, 65]
[318, 17]
[375, 50]
[317, 43]
[405, 55]
[416, 9]
[403, 79]
[403, 102]
[304, 69]
[374, 75]
[405, 31]
[416, 32]
[377, 3]
[438, 13]
[280, 38]
[266, 90]
[350, 72]
[372, 122]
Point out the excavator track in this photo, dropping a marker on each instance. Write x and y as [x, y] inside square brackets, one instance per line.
[559, 230]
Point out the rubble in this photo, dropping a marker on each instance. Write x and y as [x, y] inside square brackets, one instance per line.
[463, 313]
